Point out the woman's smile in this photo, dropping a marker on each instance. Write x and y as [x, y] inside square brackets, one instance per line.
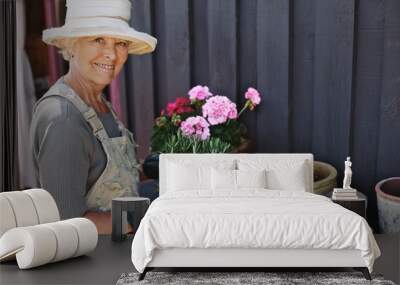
[103, 67]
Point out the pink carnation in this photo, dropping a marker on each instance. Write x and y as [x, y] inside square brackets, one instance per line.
[181, 105]
[219, 109]
[199, 93]
[196, 127]
[253, 95]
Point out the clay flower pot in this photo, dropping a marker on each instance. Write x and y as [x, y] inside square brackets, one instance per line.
[388, 197]
[324, 177]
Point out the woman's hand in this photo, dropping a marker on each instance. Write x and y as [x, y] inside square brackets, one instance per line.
[103, 222]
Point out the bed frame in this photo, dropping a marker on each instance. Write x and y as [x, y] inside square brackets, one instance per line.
[243, 259]
[250, 258]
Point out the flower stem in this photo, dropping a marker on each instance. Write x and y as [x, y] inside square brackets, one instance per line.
[244, 108]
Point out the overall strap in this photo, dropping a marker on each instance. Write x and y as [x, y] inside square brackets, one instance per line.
[62, 90]
[119, 123]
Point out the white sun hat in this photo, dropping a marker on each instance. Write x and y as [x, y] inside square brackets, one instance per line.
[87, 18]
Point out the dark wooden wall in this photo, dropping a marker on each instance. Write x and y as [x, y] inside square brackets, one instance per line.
[328, 72]
[8, 104]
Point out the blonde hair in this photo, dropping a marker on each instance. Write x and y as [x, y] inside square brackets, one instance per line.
[67, 44]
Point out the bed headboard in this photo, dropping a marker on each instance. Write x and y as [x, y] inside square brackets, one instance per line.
[211, 159]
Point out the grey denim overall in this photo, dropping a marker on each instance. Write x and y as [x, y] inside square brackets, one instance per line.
[121, 175]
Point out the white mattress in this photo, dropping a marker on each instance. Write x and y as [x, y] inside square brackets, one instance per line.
[252, 219]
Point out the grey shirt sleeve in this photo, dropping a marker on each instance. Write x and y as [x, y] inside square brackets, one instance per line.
[64, 164]
[68, 158]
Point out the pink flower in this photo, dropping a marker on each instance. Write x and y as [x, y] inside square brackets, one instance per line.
[196, 127]
[254, 97]
[218, 109]
[171, 108]
[232, 114]
[199, 93]
[181, 105]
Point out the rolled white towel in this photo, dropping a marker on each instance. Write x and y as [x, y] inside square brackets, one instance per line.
[32, 246]
[45, 205]
[87, 234]
[7, 218]
[23, 209]
[40, 244]
[67, 240]
[26, 208]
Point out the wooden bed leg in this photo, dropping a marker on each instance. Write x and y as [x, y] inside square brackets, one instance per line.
[143, 274]
[364, 271]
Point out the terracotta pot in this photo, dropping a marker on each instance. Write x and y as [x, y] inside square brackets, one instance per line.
[324, 177]
[245, 146]
[388, 197]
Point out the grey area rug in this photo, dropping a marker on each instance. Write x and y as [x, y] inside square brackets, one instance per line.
[229, 278]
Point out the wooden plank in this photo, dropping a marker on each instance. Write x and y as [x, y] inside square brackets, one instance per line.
[333, 70]
[222, 43]
[173, 54]
[366, 102]
[8, 117]
[54, 58]
[115, 96]
[139, 82]
[388, 163]
[126, 112]
[247, 60]
[199, 43]
[303, 75]
[273, 75]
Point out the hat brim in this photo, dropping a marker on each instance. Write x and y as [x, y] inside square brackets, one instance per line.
[139, 43]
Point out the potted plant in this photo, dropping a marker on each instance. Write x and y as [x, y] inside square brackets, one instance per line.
[324, 177]
[200, 123]
[388, 197]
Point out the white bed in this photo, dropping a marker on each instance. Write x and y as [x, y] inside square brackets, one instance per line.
[226, 226]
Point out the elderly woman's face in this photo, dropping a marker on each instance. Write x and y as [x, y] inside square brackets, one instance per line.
[99, 59]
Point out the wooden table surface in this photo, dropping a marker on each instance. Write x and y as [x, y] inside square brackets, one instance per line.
[110, 259]
[102, 266]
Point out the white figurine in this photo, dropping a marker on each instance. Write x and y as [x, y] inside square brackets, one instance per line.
[347, 174]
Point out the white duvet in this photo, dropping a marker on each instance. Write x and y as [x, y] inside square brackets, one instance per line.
[250, 219]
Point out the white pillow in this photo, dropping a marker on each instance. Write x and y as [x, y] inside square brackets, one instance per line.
[251, 178]
[225, 179]
[188, 177]
[193, 176]
[291, 179]
[282, 174]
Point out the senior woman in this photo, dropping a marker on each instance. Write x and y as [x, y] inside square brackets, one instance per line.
[83, 154]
